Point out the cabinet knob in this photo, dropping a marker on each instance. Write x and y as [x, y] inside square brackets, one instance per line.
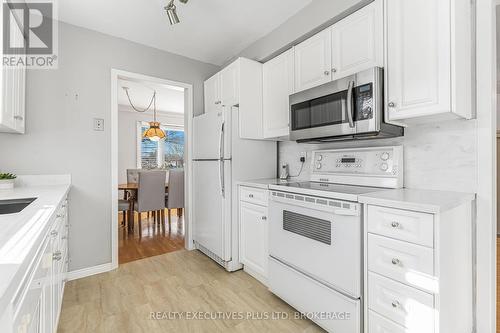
[218, 102]
[18, 118]
[395, 261]
[392, 104]
[334, 70]
[395, 224]
[264, 218]
[53, 233]
[250, 195]
[395, 304]
[57, 256]
[327, 72]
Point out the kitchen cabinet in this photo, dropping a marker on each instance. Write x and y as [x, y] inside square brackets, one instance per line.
[238, 85]
[410, 282]
[313, 61]
[428, 64]
[253, 214]
[212, 94]
[37, 304]
[358, 41]
[13, 91]
[278, 74]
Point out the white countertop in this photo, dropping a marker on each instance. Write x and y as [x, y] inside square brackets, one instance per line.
[263, 183]
[427, 201]
[23, 233]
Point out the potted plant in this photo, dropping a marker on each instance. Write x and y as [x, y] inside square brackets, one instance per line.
[7, 180]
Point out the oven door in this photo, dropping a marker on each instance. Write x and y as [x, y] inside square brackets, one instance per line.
[323, 111]
[318, 237]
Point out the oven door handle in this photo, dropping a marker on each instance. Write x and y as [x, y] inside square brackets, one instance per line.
[349, 103]
[345, 212]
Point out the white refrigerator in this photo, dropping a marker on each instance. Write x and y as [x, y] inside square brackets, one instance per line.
[220, 160]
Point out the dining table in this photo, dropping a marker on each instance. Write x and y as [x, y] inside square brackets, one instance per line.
[133, 190]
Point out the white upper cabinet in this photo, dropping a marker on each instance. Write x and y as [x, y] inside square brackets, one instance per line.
[358, 41]
[278, 86]
[238, 85]
[212, 94]
[229, 87]
[313, 61]
[428, 65]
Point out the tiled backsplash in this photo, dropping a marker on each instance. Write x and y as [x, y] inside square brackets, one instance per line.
[438, 156]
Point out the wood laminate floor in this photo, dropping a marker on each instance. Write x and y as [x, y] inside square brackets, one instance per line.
[175, 283]
[153, 241]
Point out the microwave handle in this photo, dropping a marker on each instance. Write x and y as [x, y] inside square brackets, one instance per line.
[349, 103]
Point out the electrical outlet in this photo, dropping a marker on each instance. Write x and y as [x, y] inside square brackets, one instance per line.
[303, 156]
[98, 124]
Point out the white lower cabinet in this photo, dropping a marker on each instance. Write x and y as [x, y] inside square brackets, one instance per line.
[37, 304]
[418, 270]
[253, 233]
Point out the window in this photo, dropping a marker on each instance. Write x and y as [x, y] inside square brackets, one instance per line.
[165, 154]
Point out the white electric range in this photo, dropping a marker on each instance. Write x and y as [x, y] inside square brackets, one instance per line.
[315, 233]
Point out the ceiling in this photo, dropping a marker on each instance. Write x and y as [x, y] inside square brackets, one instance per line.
[168, 98]
[211, 31]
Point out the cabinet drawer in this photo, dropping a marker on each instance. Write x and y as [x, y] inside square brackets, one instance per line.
[253, 195]
[401, 224]
[407, 306]
[405, 262]
[379, 324]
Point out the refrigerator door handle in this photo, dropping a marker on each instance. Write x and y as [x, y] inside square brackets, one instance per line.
[221, 176]
[221, 142]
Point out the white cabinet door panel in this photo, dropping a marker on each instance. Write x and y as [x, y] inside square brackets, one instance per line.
[357, 41]
[229, 85]
[212, 95]
[418, 58]
[313, 60]
[278, 86]
[253, 247]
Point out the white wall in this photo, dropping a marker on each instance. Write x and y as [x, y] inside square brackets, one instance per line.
[60, 139]
[127, 137]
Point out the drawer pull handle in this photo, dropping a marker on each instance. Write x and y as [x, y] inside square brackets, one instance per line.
[250, 195]
[59, 215]
[395, 224]
[395, 304]
[396, 261]
[53, 233]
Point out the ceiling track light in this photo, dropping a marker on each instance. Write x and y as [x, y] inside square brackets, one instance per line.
[171, 10]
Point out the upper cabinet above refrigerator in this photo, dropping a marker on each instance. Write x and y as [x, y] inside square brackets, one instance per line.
[238, 84]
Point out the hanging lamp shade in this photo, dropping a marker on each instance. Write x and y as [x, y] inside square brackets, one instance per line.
[154, 132]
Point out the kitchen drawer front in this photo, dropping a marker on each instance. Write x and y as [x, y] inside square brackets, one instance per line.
[253, 195]
[405, 262]
[311, 297]
[407, 306]
[401, 224]
[380, 324]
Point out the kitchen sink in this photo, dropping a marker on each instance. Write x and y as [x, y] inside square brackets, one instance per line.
[15, 205]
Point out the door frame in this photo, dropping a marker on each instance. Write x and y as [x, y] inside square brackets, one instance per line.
[116, 75]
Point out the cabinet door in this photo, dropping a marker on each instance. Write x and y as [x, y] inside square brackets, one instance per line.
[19, 116]
[357, 41]
[212, 93]
[278, 86]
[313, 60]
[418, 58]
[229, 84]
[7, 120]
[254, 244]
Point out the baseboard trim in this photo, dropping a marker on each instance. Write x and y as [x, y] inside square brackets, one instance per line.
[89, 271]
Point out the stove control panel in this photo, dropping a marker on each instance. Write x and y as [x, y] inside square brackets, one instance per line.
[363, 165]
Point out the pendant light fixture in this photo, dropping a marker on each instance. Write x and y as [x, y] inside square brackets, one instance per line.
[154, 132]
[171, 10]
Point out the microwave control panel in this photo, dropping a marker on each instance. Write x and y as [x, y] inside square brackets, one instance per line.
[382, 162]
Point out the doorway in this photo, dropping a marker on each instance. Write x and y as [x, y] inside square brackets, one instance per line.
[138, 101]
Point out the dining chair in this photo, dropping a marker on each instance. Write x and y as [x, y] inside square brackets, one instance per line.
[124, 207]
[150, 194]
[133, 175]
[174, 199]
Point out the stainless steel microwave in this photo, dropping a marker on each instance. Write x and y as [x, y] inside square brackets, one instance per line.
[345, 109]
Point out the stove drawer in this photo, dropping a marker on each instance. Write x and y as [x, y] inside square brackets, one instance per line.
[380, 324]
[254, 195]
[405, 262]
[407, 306]
[332, 310]
[400, 224]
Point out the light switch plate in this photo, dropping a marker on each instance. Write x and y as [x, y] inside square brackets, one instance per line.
[98, 124]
